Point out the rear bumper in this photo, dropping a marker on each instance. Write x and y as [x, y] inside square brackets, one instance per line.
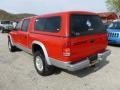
[80, 65]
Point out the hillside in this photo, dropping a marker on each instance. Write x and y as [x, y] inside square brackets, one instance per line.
[4, 15]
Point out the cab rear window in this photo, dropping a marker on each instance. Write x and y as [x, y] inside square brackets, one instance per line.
[85, 24]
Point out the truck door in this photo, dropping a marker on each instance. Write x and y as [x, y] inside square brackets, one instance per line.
[23, 33]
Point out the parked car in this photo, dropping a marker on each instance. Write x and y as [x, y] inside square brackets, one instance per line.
[107, 24]
[5, 26]
[68, 40]
[114, 32]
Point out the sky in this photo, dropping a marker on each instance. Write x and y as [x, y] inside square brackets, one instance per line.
[49, 6]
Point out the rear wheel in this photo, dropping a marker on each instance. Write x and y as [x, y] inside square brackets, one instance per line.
[41, 65]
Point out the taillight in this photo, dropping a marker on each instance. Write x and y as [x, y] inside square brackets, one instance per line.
[66, 49]
[66, 52]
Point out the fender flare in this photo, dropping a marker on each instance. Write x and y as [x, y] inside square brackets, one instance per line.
[44, 50]
[9, 37]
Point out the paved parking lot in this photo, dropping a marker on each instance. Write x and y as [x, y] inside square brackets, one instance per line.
[17, 73]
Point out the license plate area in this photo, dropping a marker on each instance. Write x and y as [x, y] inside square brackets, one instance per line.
[93, 59]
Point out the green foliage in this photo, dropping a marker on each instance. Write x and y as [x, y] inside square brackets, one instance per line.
[113, 5]
[8, 16]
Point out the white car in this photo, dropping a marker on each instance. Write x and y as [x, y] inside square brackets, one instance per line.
[6, 26]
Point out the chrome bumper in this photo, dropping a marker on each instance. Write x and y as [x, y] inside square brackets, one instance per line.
[80, 65]
[104, 55]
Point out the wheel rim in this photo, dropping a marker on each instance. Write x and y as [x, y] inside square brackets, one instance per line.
[9, 45]
[39, 63]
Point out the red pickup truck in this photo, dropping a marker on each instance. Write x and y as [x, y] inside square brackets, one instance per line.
[69, 40]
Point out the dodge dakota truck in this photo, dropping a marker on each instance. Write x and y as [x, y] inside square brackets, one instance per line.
[70, 40]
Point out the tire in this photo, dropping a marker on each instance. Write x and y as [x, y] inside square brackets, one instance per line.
[10, 46]
[41, 65]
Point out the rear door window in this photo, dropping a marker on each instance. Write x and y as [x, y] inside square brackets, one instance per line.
[86, 24]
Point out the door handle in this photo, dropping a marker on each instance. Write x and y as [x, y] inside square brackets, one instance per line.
[25, 36]
[92, 41]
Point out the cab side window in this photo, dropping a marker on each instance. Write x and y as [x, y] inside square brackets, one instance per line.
[25, 25]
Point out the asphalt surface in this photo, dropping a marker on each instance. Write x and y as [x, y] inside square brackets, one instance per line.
[17, 72]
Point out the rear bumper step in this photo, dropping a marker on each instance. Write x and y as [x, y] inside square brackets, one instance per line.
[80, 65]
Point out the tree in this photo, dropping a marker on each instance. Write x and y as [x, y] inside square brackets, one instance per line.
[114, 5]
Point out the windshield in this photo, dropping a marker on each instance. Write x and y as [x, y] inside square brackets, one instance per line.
[114, 25]
[86, 24]
[6, 22]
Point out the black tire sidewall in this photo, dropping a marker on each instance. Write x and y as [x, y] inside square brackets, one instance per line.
[47, 70]
[12, 49]
[9, 43]
[35, 55]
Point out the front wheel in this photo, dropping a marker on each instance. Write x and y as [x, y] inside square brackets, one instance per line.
[41, 65]
[10, 46]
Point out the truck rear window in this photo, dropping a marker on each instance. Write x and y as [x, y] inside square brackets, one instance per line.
[85, 24]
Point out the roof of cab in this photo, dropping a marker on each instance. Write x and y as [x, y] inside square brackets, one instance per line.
[61, 13]
[67, 12]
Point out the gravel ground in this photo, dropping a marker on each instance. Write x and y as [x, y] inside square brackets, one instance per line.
[17, 73]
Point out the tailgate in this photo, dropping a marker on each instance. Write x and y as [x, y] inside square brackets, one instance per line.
[85, 46]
